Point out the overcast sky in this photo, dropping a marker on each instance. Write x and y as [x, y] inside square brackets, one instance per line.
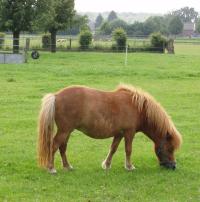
[135, 6]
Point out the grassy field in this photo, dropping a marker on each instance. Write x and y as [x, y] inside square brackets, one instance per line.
[173, 80]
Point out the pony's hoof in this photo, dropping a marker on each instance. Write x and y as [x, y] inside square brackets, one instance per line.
[68, 168]
[105, 166]
[129, 167]
[52, 171]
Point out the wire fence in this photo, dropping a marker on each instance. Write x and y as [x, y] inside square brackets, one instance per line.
[69, 43]
[99, 44]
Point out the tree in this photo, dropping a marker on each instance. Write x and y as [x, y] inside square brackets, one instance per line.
[98, 21]
[58, 16]
[149, 27]
[85, 39]
[175, 25]
[136, 29]
[198, 26]
[17, 16]
[78, 23]
[155, 24]
[118, 23]
[120, 37]
[186, 14]
[112, 16]
[105, 28]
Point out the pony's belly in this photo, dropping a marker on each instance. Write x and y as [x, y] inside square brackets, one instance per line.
[97, 134]
[99, 127]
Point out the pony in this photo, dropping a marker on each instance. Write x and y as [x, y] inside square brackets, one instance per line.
[120, 113]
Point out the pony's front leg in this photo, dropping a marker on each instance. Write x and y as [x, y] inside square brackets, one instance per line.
[106, 164]
[128, 138]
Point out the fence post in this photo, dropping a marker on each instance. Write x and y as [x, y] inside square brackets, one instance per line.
[70, 43]
[126, 55]
[163, 47]
[27, 49]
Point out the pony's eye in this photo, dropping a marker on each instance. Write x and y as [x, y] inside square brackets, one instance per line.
[169, 137]
[170, 150]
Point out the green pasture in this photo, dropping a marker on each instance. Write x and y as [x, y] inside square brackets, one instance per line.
[174, 80]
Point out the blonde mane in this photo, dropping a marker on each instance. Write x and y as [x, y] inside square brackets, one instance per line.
[156, 116]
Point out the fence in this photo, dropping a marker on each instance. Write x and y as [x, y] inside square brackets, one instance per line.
[11, 53]
[99, 43]
[69, 43]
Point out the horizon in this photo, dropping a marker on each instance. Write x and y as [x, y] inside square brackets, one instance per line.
[153, 7]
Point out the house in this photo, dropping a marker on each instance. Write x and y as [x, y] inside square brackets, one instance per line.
[188, 29]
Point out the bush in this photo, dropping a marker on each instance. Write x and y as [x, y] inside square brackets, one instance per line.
[120, 37]
[85, 39]
[2, 39]
[158, 40]
[46, 41]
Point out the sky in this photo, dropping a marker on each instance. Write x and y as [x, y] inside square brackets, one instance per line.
[135, 6]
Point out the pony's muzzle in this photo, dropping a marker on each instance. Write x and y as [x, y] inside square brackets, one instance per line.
[168, 165]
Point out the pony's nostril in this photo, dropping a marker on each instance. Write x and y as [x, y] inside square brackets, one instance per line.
[168, 165]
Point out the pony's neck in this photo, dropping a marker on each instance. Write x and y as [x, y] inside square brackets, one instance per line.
[152, 134]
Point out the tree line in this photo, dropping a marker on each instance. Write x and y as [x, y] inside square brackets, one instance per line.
[169, 24]
[55, 16]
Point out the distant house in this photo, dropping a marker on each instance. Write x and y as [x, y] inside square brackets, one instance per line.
[188, 29]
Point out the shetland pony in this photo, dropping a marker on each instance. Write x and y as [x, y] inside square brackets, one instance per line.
[100, 114]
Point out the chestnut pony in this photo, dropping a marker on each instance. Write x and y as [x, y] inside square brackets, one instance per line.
[100, 114]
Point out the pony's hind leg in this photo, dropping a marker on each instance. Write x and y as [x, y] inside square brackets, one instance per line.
[63, 148]
[58, 140]
[128, 138]
[106, 164]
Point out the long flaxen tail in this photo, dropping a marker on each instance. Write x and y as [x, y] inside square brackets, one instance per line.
[45, 130]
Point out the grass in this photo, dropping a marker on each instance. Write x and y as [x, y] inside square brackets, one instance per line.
[173, 80]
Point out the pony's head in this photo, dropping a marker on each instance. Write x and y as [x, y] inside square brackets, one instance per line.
[165, 153]
[165, 149]
[157, 125]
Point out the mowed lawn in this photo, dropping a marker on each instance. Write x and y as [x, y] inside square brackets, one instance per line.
[174, 80]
